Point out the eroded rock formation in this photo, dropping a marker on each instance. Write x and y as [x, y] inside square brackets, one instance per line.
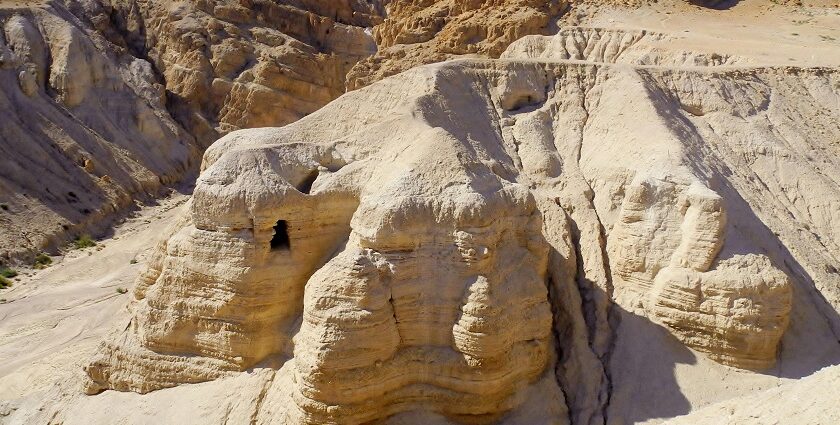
[240, 64]
[450, 240]
[419, 32]
[735, 313]
[188, 72]
[108, 102]
[85, 131]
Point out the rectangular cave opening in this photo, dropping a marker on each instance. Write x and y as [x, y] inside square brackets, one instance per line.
[280, 240]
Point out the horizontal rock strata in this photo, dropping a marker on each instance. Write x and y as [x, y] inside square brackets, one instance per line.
[450, 240]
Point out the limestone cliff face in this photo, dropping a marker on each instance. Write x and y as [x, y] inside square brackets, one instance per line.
[85, 131]
[418, 32]
[189, 72]
[745, 297]
[240, 64]
[450, 241]
[110, 101]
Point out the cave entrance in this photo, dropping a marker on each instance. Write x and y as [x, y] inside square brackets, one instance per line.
[280, 240]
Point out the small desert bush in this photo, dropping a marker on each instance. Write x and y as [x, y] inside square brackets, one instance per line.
[122, 290]
[84, 241]
[5, 283]
[42, 261]
[7, 272]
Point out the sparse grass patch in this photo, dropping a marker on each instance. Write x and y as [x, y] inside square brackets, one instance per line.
[5, 283]
[84, 241]
[122, 290]
[7, 272]
[42, 261]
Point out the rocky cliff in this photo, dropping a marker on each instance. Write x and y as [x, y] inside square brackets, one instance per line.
[111, 101]
[137, 89]
[85, 130]
[450, 241]
[628, 220]
[419, 32]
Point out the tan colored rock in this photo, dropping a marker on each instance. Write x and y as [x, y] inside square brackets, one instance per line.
[419, 32]
[232, 64]
[397, 253]
[520, 241]
[736, 313]
[120, 81]
[456, 319]
[67, 96]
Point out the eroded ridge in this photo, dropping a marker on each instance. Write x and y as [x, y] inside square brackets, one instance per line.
[611, 45]
[459, 235]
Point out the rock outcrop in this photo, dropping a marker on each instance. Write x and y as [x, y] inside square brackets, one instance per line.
[604, 225]
[192, 71]
[240, 64]
[109, 102]
[85, 131]
[450, 240]
[418, 32]
[736, 313]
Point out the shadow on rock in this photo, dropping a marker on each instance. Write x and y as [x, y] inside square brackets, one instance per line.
[642, 367]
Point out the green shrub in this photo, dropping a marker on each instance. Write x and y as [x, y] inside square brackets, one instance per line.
[133, 261]
[42, 261]
[5, 283]
[84, 241]
[121, 290]
[7, 272]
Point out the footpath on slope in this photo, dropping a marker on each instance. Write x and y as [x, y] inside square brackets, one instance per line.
[52, 319]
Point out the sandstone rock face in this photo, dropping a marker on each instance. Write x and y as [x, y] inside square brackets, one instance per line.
[188, 72]
[449, 241]
[418, 32]
[85, 130]
[240, 64]
[736, 313]
[147, 85]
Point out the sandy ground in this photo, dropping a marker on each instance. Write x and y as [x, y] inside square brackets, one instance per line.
[52, 320]
[801, 36]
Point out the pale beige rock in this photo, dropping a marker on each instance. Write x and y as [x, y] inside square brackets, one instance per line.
[640, 47]
[424, 257]
[68, 96]
[736, 313]
[518, 241]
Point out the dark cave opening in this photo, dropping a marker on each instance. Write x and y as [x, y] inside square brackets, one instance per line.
[280, 240]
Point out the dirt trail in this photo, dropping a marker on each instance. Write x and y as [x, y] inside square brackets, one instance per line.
[53, 319]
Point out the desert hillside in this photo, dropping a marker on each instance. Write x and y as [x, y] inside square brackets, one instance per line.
[421, 212]
[117, 99]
